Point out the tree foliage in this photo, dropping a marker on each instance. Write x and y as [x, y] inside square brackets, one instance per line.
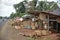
[42, 6]
[35, 5]
[1, 17]
[45, 6]
[12, 15]
[20, 8]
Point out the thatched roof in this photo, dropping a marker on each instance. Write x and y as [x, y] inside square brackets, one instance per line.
[54, 12]
[36, 13]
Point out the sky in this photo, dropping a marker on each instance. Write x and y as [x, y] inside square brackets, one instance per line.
[6, 6]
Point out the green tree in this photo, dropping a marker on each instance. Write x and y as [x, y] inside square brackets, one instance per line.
[1, 17]
[34, 2]
[12, 15]
[45, 6]
[42, 6]
[20, 8]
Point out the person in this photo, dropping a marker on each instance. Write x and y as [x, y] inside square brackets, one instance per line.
[21, 19]
[3, 19]
[33, 19]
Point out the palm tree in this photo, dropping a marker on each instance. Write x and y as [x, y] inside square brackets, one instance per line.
[45, 6]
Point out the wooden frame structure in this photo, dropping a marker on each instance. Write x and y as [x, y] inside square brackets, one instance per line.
[47, 15]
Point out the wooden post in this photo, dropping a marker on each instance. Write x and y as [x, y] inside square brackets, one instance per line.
[48, 22]
[56, 26]
[48, 25]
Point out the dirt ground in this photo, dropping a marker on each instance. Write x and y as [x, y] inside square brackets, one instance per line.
[10, 33]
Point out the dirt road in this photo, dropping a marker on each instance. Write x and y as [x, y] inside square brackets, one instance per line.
[9, 33]
[2, 22]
